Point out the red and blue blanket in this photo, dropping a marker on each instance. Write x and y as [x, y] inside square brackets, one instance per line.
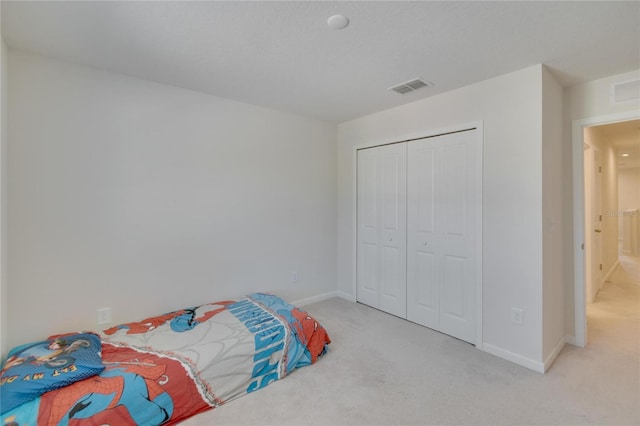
[164, 369]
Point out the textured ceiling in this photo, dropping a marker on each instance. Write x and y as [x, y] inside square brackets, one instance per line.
[282, 54]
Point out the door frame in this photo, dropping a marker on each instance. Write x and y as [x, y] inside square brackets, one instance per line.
[478, 126]
[579, 264]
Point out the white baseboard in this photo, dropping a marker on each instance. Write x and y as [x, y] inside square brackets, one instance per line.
[554, 353]
[570, 340]
[348, 296]
[531, 364]
[315, 299]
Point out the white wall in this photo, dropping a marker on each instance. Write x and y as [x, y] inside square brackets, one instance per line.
[3, 197]
[146, 198]
[510, 107]
[628, 197]
[593, 98]
[585, 101]
[552, 217]
[629, 188]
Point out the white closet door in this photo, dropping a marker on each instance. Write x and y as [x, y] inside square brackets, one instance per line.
[381, 273]
[368, 285]
[423, 282]
[393, 231]
[443, 208]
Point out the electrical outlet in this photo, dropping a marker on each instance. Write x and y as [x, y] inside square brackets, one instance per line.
[104, 316]
[294, 276]
[517, 316]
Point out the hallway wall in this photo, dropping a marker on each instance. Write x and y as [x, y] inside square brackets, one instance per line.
[628, 188]
[628, 199]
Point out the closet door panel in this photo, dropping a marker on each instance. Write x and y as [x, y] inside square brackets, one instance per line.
[390, 274]
[370, 270]
[453, 286]
[458, 246]
[381, 252]
[423, 299]
[393, 205]
[442, 200]
[454, 190]
[368, 248]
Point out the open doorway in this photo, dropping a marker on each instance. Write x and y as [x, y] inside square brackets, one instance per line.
[600, 207]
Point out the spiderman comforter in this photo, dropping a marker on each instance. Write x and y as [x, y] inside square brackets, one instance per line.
[167, 368]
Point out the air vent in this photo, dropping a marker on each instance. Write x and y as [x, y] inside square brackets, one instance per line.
[627, 91]
[410, 86]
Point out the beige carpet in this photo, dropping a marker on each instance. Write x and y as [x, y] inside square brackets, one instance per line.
[382, 370]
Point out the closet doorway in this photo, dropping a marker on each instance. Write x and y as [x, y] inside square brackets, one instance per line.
[419, 208]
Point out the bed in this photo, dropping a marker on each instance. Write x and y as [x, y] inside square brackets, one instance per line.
[160, 370]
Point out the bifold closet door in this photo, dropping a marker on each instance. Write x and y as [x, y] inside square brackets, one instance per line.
[381, 231]
[442, 234]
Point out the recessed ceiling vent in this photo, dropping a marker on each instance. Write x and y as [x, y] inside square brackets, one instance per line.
[410, 86]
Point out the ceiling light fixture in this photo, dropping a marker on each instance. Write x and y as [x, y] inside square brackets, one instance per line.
[625, 155]
[338, 22]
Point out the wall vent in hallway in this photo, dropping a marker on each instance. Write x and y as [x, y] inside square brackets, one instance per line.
[626, 91]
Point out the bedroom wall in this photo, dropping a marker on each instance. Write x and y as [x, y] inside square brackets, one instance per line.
[3, 197]
[552, 219]
[146, 198]
[583, 101]
[511, 108]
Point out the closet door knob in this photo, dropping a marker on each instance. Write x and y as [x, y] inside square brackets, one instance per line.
[424, 244]
[390, 239]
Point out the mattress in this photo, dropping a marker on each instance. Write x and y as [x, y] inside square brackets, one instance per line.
[166, 368]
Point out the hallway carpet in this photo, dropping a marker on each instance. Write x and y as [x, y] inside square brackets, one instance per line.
[382, 370]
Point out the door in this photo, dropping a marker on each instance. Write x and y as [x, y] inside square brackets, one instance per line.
[443, 233]
[381, 232]
[595, 223]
